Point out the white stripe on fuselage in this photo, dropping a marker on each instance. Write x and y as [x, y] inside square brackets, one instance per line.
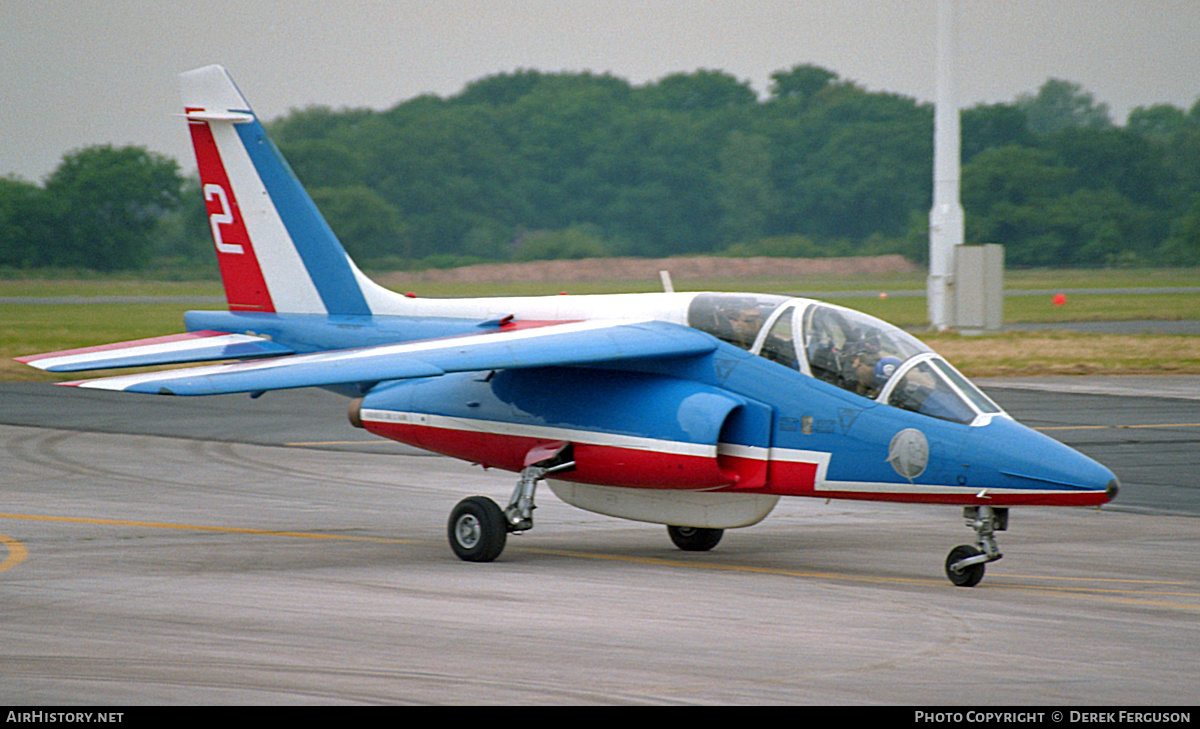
[518, 430]
[671, 308]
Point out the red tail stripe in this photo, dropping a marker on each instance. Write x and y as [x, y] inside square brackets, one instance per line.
[245, 287]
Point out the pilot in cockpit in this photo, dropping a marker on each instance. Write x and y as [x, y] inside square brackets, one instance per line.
[869, 372]
[745, 321]
[859, 374]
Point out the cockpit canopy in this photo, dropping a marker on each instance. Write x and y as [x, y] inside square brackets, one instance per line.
[846, 348]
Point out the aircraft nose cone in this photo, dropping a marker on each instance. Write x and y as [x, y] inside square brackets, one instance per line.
[1032, 461]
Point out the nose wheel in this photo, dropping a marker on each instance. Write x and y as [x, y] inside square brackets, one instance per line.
[965, 563]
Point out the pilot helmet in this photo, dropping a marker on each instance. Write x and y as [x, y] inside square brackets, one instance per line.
[885, 368]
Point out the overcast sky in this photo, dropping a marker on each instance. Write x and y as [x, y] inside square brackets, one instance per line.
[83, 72]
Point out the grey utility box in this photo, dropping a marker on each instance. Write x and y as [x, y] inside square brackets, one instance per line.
[979, 287]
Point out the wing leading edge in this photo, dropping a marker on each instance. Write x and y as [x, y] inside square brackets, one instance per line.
[580, 343]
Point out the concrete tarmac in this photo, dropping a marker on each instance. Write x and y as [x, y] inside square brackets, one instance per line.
[229, 551]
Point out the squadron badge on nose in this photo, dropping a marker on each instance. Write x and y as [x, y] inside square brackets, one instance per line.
[909, 453]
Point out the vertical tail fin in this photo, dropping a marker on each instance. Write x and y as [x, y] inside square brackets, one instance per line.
[275, 250]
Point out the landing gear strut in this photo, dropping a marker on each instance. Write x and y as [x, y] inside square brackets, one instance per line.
[478, 527]
[965, 563]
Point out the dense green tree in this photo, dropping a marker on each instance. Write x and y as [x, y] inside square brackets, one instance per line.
[325, 162]
[1059, 105]
[1031, 201]
[850, 163]
[698, 91]
[107, 202]
[1156, 122]
[801, 83]
[1005, 194]
[528, 163]
[576, 241]
[1113, 158]
[743, 186]
[27, 223]
[182, 239]
[993, 125]
[1182, 246]
[371, 229]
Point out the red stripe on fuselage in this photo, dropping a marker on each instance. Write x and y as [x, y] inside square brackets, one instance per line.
[782, 478]
[518, 324]
[596, 464]
[245, 287]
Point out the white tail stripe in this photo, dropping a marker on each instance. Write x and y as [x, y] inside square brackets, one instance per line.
[286, 276]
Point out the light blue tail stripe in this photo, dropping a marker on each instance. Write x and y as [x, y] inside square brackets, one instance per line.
[319, 248]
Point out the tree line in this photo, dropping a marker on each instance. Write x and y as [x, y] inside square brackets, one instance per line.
[531, 165]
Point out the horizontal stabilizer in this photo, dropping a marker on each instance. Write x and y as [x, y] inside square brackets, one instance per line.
[574, 344]
[174, 349]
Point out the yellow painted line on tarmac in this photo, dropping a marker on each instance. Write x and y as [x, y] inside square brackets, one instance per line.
[660, 562]
[16, 553]
[1136, 581]
[1130, 596]
[204, 528]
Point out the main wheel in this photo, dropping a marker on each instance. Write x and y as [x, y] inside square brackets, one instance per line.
[477, 529]
[695, 539]
[968, 576]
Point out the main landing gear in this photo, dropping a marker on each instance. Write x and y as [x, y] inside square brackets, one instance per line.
[965, 563]
[478, 528]
[695, 539]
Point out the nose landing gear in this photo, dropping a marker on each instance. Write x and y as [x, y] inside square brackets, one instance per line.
[965, 563]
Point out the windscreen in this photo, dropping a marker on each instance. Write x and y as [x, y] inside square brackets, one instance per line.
[922, 390]
[733, 318]
[855, 351]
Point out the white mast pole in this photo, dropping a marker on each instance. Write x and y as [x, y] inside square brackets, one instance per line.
[946, 216]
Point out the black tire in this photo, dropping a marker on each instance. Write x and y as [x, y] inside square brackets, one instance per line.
[477, 529]
[969, 576]
[695, 539]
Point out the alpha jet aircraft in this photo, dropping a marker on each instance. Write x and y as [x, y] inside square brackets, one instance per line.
[693, 410]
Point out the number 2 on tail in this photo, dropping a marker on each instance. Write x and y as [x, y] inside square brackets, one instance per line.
[216, 220]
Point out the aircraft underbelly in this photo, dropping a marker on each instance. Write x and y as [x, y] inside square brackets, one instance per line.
[705, 509]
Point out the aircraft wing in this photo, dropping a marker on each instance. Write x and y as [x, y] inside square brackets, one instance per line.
[578, 343]
[203, 346]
